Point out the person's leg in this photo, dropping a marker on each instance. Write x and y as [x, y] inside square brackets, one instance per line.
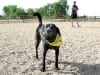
[76, 19]
[77, 23]
[72, 19]
[72, 22]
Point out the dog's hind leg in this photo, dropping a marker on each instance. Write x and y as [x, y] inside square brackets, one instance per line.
[37, 42]
[44, 57]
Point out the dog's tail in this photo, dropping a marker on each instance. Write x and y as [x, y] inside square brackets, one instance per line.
[39, 17]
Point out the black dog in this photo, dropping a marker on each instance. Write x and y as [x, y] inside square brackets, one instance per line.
[51, 37]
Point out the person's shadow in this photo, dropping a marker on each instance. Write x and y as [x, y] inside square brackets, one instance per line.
[83, 69]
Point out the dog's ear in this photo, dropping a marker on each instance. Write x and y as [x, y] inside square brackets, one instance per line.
[58, 31]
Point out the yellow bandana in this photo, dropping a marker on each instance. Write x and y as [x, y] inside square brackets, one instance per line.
[57, 42]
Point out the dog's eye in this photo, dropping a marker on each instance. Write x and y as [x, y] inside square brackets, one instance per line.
[53, 28]
[47, 26]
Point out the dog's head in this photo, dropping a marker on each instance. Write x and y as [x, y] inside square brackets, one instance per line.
[52, 31]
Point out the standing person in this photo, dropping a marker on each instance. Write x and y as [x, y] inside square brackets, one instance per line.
[74, 15]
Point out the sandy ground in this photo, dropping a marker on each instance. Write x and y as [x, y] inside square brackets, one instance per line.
[79, 54]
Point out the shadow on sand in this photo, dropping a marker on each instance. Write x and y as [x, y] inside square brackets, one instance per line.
[82, 69]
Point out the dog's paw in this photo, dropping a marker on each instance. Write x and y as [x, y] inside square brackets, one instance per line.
[43, 70]
[57, 68]
[37, 57]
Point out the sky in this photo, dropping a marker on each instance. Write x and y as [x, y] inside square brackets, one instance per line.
[87, 7]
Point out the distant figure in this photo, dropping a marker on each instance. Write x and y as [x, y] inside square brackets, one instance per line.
[84, 17]
[74, 15]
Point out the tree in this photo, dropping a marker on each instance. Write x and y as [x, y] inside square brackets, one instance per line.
[65, 6]
[30, 11]
[55, 10]
[6, 10]
[10, 10]
[60, 8]
[20, 12]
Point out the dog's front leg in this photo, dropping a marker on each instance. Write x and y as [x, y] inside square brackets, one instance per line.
[44, 56]
[56, 58]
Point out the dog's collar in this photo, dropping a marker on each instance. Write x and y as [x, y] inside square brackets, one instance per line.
[57, 42]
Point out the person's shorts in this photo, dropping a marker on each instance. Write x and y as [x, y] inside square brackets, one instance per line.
[74, 16]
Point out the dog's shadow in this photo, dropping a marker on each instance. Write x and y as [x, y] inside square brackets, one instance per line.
[79, 68]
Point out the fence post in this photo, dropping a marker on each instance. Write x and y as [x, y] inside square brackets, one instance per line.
[8, 19]
[95, 18]
[23, 18]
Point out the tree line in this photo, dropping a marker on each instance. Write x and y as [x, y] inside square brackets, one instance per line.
[55, 10]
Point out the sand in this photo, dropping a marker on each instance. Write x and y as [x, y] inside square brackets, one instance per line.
[79, 54]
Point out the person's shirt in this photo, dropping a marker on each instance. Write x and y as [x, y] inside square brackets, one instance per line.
[74, 9]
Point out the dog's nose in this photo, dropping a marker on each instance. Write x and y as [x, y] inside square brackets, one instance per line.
[48, 31]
